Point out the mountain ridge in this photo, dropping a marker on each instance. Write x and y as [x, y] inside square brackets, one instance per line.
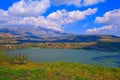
[39, 34]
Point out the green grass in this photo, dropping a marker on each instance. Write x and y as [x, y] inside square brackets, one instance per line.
[13, 59]
[56, 71]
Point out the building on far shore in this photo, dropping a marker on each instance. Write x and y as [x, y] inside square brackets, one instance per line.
[8, 46]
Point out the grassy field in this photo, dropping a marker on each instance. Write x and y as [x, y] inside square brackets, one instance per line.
[54, 71]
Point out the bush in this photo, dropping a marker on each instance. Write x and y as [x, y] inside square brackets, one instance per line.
[18, 59]
[13, 59]
[3, 57]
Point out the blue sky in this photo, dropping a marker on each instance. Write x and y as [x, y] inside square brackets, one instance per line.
[74, 16]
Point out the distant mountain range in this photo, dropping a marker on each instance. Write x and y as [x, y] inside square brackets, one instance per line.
[37, 34]
[90, 38]
[32, 33]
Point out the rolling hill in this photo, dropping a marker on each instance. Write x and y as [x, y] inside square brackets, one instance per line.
[40, 34]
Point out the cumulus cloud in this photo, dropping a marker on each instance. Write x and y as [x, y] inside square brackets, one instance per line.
[104, 28]
[68, 2]
[29, 13]
[92, 2]
[64, 17]
[54, 20]
[3, 15]
[77, 3]
[111, 18]
[29, 7]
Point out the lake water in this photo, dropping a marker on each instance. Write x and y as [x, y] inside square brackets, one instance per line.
[108, 59]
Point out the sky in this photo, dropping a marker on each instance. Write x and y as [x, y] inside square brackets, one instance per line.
[71, 16]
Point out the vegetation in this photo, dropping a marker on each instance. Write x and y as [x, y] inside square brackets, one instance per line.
[96, 42]
[106, 46]
[18, 59]
[13, 59]
[54, 71]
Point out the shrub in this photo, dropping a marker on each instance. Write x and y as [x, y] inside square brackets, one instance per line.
[3, 57]
[13, 59]
[18, 59]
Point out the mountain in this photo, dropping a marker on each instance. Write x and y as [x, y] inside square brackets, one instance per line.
[16, 36]
[89, 38]
[38, 34]
[32, 33]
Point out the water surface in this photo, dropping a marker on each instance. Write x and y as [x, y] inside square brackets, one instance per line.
[108, 59]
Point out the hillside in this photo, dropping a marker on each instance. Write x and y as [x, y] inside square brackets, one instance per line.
[57, 71]
[15, 38]
[17, 67]
[7, 39]
[32, 33]
[90, 38]
[39, 34]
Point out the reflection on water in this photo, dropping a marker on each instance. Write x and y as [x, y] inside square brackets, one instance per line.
[111, 58]
[108, 59]
[118, 63]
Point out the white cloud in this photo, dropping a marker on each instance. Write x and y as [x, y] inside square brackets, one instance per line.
[68, 2]
[29, 7]
[57, 19]
[3, 15]
[28, 13]
[64, 17]
[77, 3]
[111, 18]
[104, 28]
[110, 30]
[54, 20]
[92, 2]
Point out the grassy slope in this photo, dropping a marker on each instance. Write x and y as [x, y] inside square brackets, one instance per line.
[54, 71]
[57, 71]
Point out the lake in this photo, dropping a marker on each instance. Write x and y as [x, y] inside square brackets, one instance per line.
[107, 59]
